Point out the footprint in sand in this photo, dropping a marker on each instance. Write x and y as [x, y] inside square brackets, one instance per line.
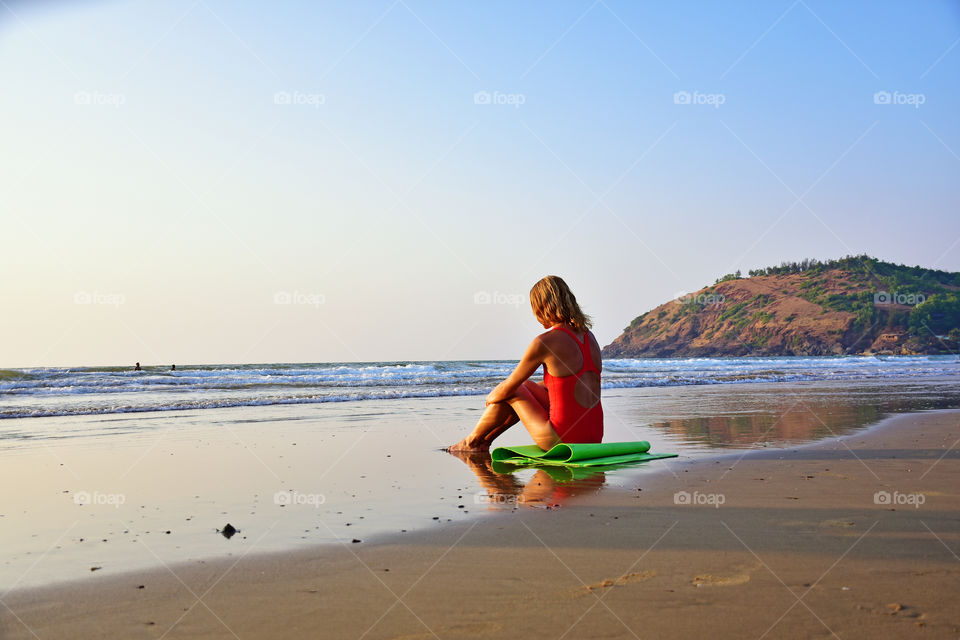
[465, 629]
[627, 578]
[710, 580]
[838, 523]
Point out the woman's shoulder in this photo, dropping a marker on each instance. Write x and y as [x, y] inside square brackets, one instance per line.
[546, 336]
[558, 334]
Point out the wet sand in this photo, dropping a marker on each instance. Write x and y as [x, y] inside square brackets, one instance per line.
[775, 543]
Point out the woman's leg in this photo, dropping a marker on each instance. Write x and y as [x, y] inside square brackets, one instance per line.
[539, 391]
[535, 415]
[496, 418]
[530, 400]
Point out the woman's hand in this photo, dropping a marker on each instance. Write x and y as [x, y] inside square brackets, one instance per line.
[496, 395]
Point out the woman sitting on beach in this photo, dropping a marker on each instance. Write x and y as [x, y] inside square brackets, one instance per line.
[566, 407]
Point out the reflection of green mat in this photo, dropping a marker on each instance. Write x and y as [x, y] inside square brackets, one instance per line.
[600, 454]
[559, 474]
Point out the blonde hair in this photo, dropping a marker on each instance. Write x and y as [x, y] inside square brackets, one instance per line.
[552, 301]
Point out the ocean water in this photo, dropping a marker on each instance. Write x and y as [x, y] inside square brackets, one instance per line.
[70, 391]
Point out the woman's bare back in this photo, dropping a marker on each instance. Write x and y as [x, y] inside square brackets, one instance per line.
[565, 359]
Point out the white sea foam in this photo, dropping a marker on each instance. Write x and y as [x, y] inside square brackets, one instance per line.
[91, 390]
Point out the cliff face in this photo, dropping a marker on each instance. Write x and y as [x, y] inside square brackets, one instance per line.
[851, 306]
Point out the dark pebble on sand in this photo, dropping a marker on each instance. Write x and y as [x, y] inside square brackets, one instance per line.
[141, 586]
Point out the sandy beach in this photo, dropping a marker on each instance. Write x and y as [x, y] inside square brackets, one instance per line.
[855, 536]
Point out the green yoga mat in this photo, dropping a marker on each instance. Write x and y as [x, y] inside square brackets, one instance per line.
[600, 454]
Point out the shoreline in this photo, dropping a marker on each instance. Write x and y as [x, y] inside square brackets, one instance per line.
[703, 551]
[47, 392]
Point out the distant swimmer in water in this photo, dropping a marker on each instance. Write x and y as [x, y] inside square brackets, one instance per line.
[137, 368]
[173, 367]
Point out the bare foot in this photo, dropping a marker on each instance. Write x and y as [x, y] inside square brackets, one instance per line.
[465, 446]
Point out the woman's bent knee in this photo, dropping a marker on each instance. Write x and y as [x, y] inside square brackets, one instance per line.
[549, 439]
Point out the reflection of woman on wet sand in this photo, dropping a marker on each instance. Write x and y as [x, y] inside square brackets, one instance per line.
[505, 489]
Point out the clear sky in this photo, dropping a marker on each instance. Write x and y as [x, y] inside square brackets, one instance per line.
[204, 181]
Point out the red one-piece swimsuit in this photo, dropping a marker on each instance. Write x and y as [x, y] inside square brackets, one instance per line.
[572, 421]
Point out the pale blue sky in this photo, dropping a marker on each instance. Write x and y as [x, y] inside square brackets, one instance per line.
[159, 198]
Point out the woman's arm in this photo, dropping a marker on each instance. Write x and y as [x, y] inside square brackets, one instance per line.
[531, 361]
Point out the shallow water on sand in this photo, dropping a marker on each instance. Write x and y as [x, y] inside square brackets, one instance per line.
[121, 492]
